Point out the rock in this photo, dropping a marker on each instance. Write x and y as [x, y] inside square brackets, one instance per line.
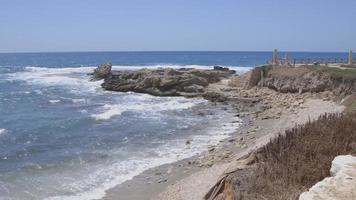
[214, 97]
[102, 71]
[231, 140]
[162, 180]
[161, 82]
[302, 79]
[342, 184]
[193, 80]
[171, 72]
[221, 68]
[188, 142]
[194, 89]
[211, 149]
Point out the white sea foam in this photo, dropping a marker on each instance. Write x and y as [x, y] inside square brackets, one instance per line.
[2, 131]
[170, 103]
[79, 100]
[170, 152]
[76, 79]
[110, 111]
[54, 101]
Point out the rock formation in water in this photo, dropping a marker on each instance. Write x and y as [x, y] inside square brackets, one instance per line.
[161, 82]
[102, 71]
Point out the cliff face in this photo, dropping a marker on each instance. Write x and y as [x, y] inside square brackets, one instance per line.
[301, 80]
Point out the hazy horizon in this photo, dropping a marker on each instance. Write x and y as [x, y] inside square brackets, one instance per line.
[174, 51]
[177, 25]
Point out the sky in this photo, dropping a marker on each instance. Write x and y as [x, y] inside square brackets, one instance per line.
[177, 25]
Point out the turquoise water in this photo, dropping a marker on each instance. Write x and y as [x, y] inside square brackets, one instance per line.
[63, 137]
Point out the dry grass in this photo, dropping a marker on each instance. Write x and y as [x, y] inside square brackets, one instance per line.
[298, 159]
[292, 72]
[350, 103]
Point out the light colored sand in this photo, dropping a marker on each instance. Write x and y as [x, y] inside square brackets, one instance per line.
[195, 186]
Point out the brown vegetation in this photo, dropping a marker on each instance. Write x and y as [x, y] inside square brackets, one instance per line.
[293, 161]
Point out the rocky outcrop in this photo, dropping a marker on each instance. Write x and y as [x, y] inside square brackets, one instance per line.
[303, 79]
[102, 71]
[309, 82]
[342, 184]
[165, 82]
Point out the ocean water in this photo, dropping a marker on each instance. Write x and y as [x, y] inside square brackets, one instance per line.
[63, 137]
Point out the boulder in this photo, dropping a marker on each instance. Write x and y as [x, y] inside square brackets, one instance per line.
[102, 71]
[221, 68]
[171, 72]
[342, 184]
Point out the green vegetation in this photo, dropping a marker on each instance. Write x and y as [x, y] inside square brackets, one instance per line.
[337, 73]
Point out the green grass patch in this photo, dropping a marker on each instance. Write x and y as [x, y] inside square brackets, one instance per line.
[344, 74]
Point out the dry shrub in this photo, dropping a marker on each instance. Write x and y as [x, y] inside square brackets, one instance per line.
[296, 160]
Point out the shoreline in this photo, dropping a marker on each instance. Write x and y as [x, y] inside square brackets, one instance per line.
[197, 174]
[192, 178]
[155, 179]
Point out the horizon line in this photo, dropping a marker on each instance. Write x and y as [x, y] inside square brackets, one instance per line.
[171, 51]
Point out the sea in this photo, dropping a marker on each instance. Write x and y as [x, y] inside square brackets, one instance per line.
[62, 137]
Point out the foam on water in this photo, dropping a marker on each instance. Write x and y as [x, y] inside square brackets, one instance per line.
[2, 131]
[54, 101]
[75, 79]
[169, 152]
[104, 105]
[177, 103]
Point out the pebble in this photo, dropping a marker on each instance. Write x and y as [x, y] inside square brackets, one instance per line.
[162, 181]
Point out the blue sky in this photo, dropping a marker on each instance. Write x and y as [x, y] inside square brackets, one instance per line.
[145, 25]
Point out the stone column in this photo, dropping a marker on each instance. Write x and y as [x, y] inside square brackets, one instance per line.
[275, 57]
[350, 58]
[286, 59]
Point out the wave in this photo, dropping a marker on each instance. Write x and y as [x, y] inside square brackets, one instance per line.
[144, 103]
[75, 79]
[54, 101]
[170, 152]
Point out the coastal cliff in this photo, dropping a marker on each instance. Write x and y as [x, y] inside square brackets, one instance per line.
[304, 79]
